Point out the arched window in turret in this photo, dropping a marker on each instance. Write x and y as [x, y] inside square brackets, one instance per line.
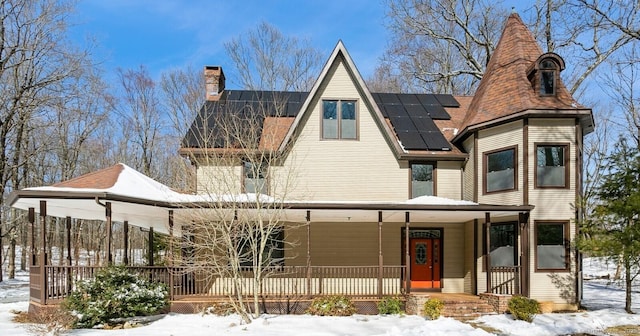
[545, 74]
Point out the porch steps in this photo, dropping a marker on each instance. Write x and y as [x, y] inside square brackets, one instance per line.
[466, 310]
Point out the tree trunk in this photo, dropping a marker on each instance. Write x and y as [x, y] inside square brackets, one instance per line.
[627, 280]
[12, 257]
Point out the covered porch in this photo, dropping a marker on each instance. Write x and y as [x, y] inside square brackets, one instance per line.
[396, 263]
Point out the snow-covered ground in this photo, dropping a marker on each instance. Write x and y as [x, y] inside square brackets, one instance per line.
[603, 298]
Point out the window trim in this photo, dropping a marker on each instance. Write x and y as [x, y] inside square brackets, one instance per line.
[485, 164]
[339, 116]
[567, 150]
[264, 169]
[566, 241]
[434, 176]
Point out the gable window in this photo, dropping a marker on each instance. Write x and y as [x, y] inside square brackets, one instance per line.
[422, 180]
[254, 180]
[552, 246]
[339, 119]
[548, 70]
[552, 166]
[500, 170]
[503, 239]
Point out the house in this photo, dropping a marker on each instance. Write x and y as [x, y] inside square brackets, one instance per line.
[385, 193]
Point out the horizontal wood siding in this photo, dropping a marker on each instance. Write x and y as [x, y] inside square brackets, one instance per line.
[356, 244]
[449, 179]
[469, 262]
[552, 204]
[219, 179]
[363, 169]
[496, 138]
[469, 170]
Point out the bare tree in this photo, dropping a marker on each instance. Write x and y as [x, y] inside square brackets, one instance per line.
[265, 59]
[141, 116]
[35, 59]
[241, 229]
[442, 46]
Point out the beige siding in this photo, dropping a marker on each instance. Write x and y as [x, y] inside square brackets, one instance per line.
[468, 257]
[356, 244]
[552, 204]
[496, 138]
[219, 179]
[449, 179]
[363, 169]
[469, 170]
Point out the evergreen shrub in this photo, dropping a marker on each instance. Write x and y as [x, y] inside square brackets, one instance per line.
[523, 308]
[114, 293]
[432, 308]
[390, 305]
[337, 305]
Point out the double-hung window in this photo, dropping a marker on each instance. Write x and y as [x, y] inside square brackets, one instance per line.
[500, 170]
[254, 180]
[552, 165]
[552, 245]
[422, 180]
[339, 119]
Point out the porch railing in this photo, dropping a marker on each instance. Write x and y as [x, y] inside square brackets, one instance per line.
[285, 281]
[505, 280]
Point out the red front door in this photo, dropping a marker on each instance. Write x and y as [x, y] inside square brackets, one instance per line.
[425, 262]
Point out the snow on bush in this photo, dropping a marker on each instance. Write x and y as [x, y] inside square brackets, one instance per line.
[114, 293]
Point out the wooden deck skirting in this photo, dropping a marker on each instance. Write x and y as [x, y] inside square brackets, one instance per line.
[358, 282]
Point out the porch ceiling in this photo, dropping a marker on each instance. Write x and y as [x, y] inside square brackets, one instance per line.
[147, 213]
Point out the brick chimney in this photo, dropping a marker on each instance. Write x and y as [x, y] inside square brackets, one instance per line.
[214, 81]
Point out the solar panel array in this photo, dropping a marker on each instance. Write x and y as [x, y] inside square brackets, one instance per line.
[412, 117]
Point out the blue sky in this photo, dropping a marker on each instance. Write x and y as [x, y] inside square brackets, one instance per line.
[164, 34]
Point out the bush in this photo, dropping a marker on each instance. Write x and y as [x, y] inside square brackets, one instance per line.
[114, 293]
[523, 308]
[331, 306]
[390, 305]
[432, 308]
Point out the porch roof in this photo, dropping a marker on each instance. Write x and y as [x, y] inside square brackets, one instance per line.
[146, 203]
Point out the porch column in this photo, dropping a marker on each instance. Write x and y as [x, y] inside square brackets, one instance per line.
[125, 256]
[308, 218]
[525, 247]
[170, 251]
[407, 257]
[43, 252]
[487, 220]
[109, 232]
[69, 241]
[380, 257]
[32, 221]
[150, 254]
[170, 255]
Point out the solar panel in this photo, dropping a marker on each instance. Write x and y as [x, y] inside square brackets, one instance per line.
[395, 110]
[411, 140]
[403, 124]
[416, 110]
[437, 112]
[424, 124]
[427, 99]
[409, 99]
[389, 98]
[435, 141]
[447, 100]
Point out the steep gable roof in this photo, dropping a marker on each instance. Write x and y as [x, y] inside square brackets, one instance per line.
[340, 52]
[505, 88]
